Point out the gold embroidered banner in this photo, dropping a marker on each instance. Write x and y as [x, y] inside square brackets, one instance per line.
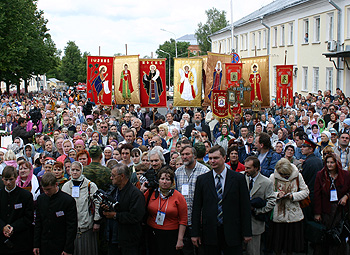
[256, 75]
[188, 82]
[215, 75]
[126, 79]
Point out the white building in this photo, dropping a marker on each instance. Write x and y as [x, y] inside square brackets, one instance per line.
[36, 83]
[305, 29]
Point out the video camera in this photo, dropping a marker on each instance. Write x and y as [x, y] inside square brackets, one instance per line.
[87, 108]
[35, 115]
[103, 198]
[151, 178]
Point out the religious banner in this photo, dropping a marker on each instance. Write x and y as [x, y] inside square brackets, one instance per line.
[99, 80]
[256, 74]
[234, 102]
[153, 82]
[233, 74]
[126, 79]
[284, 83]
[215, 76]
[187, 82]
[220, 103]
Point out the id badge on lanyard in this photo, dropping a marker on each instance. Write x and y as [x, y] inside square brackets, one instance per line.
[161, 215]
[333, 195]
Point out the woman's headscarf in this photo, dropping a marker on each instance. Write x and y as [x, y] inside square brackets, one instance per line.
[64, 141]
[28, 180]
[99, 137]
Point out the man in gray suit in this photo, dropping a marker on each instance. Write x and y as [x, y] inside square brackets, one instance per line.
[262, 201]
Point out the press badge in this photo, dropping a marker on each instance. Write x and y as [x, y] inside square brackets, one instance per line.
[75, 191]
[185, 190]
[334, 196]
[60, 213]
[160, 218]
[18, 206]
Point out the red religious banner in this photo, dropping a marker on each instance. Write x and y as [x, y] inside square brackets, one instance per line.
[233, 74]
[284, 92]
[153, 83]
[220, 103]
[99, 79]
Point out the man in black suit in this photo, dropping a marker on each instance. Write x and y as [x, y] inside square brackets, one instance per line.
[16, 216]
[56, 220]
[199, 125]
[222, 204]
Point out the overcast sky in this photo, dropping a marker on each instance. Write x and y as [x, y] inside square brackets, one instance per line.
[113, 23]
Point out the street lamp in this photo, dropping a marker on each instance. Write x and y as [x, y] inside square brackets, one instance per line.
[175, 39]
[169, 64]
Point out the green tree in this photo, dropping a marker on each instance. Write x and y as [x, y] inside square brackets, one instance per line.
[169, 47]
[26, 46]
[216, 20]
[72, 68]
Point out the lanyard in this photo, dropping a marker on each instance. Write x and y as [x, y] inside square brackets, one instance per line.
[332, 182]
[160, 208]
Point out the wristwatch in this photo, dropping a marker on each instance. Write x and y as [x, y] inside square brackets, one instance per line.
[115, 217]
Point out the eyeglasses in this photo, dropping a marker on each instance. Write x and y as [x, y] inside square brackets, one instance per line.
[103, 127]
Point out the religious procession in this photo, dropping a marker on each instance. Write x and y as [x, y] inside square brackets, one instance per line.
[248, 155]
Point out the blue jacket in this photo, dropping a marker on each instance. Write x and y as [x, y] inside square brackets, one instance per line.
[267, 166]
[298, 155]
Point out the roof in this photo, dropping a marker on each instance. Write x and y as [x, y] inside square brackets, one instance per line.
[191, 38]
[271, 8]
[339, 54]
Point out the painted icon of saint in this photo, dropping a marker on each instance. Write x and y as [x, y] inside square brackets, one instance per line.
[255, 79]
[188, 86]
[216, 78]
[99, 83]
[153, 84]
[126, 87]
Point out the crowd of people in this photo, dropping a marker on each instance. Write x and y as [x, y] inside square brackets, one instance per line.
[80, 178]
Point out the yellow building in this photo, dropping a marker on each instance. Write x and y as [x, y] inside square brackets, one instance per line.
[308, 33]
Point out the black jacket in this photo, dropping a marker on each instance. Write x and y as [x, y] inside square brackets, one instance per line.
[311, 166]
[22, 133]
[205, 128]
[129, 215]
[17, 210]
[56, 224]
[235, 205]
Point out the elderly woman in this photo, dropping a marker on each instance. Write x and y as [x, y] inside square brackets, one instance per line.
[287, 233]
[224, 137]
[82, 190]
[58, 171]
[108, 153]
[50, 149]
[332, 187]
[29, 153]
[282, 134]
[164, 132]
[166, 234]
[325, 141]
[67, 145]
[279, 147]
[232, 153]
[27, 180]
[173, 140]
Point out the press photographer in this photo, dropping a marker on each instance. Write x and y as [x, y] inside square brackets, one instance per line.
[124, 220]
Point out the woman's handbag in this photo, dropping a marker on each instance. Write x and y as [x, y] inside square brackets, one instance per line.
[315, 232]
[339, 232]
[306, 201]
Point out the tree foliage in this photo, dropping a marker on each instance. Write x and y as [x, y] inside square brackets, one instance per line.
[216, 20]
[169, 47]
[73, 67]
[26, 46]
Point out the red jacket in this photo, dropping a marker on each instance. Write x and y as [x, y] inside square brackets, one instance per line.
[240, 167]
[322, 202]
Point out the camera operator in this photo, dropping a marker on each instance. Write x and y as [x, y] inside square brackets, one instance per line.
[126, 217]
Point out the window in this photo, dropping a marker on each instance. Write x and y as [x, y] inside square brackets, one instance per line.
[259, 40]
[265, 39]
[317, 29]
[330, 26]
[274, 81]
[291, 34]
[282, 35]
[329, 78]
[306, 31]
[305, 78]
[253, 41]
[236, 43]
[242, 42]
[274, 37]
[246, 42]
[316, 82]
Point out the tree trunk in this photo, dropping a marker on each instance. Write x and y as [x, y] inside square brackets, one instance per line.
[7, 87]
[18, 89]
[26, 86]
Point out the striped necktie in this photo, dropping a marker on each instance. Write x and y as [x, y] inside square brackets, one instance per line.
[218, 188]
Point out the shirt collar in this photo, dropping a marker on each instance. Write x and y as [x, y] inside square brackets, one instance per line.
[9, 191]
[223, 173]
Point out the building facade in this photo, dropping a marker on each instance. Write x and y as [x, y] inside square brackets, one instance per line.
[300, 31]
